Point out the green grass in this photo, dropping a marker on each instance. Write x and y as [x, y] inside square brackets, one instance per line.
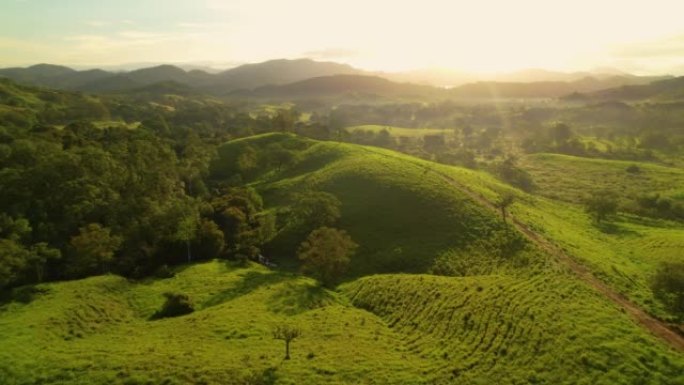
[624, 252]
[534, 323]
[98, 331]
[544, 329]
[571, 178]
[392, 329]
[372, 183]
[400, 131]
[401, 215]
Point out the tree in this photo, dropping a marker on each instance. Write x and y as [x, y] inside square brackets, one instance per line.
[504, 202]
[12, 261]
[38, 257]
[668, 286]
[210, 240]
[326, 254]
[94, 248]
[561, 132]
[601, 205]
[186, 232]
[314, 209]
[286, 333]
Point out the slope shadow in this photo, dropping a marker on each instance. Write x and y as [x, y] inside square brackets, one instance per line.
[296, 298]
[251, 281]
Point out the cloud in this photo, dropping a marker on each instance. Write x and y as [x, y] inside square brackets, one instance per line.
[97, 23]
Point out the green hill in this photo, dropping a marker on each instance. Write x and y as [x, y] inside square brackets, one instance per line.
[394, 329]
[402, 215]
[98, 331]
[542, 329]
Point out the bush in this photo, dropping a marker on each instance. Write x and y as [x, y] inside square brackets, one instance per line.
[668, 286]
[633, 169]
[176, 304]
[163, 272]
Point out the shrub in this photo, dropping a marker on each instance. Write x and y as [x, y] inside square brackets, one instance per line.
[668, 286]
[176, 304]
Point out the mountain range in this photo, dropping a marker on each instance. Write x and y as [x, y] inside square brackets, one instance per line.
[303, 78]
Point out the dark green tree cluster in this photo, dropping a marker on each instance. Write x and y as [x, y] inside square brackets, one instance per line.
[81, 196]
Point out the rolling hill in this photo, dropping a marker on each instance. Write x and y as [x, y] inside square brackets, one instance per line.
[509, 318]
[662, 90]
[360, 86]
[370, 184]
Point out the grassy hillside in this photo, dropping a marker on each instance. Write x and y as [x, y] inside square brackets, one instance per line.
[437, 216]
[543, 329]
[98, 331]
[401, 215]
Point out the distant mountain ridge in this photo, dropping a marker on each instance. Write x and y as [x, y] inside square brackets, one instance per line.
[298, 78]
[247, 76]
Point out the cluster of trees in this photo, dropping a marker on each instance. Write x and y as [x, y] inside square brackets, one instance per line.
[82, 199]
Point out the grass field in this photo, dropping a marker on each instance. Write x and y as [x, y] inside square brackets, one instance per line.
[392, 329]
[400, 131]
[541, 329]
[98, 331]
[571, 178]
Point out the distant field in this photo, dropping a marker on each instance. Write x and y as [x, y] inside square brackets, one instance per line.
[570, 178]
[399, 131]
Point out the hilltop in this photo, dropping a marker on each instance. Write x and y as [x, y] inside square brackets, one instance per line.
[371, 185]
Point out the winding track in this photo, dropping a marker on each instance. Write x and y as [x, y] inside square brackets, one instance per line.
[657, 327]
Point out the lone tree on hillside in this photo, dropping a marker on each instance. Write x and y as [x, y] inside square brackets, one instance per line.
[286, 333]
[601, 205]
[326, 254]
[504, 202]
[668, 286]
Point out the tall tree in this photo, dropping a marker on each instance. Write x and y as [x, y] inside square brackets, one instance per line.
[94, 249]
[326, 254]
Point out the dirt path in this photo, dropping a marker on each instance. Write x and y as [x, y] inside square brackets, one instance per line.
[655, 326]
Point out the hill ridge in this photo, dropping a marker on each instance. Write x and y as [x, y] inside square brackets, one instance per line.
[654, 325]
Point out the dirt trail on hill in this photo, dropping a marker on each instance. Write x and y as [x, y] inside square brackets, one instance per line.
[658, 328]
[655, 326]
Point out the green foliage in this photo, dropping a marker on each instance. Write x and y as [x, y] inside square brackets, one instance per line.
[13, 260]
[326, 254]
[93, 249]
[286, 333]
[176, 304]
[668, 286]
[238, 214]
[510, 172]
[370, 185]
[314, 209]
[601, 205]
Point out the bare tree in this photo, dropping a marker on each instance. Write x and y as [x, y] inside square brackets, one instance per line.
[504, 201]
[286, 333]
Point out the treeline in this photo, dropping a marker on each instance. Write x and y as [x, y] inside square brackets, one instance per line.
[83, 196]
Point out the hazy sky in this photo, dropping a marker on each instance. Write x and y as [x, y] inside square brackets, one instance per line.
[470, 35]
